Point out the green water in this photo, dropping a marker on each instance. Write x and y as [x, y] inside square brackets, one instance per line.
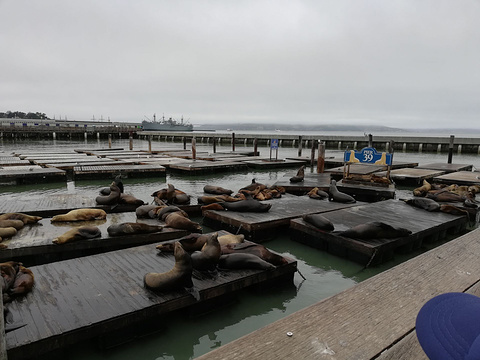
[185, 335]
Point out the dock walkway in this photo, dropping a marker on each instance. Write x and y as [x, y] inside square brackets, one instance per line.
[82, 298]
[372, 320]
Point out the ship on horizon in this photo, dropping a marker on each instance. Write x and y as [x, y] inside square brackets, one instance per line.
[169, 124]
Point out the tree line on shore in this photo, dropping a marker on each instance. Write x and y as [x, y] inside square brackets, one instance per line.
[22, 115]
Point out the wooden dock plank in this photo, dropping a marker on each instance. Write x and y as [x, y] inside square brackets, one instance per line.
[85, 297]
[35, 240]
[411, 176]
[127, 171]
[32, 175]
[263, 226]
[459, 178]
[265, 164]
[423, 224]
[366, 320]
[203, 166]
[446, 167]
[310, 181]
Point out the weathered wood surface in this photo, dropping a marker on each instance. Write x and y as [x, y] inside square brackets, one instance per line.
[32, 174]
[85, 297]
[446, 167]
[459, 178]
[372, 320]
[266, 164]
[411, 176]
[166, 162]
[12, 161]
[3, 346]
[201, 166]
[310, 181]
[89, 159]
[93, 151]
[36, 240]
[357, 169]
[86, 172]
[424, 225]
[101, 162]
[262, 226]
[367, 192]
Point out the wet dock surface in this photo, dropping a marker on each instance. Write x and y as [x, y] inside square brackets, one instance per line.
[459, 178]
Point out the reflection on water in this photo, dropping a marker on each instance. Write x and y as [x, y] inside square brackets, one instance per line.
[185, 334]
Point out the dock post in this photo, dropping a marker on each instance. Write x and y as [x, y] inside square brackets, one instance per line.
[404, 147]
[439, 148]
[54, 136]
[130, 139]
[194, 149]
[3, 346]
[300, 146]
[109, 141]
[233, 141]
[370, 140]
[459, 149]
[321, 157]
[98, 136]
[184, 143]
[85, 135]
[214, 145]
[149, 143]
[312, 155]
[255, 147]
[420, 148]
[450, 148]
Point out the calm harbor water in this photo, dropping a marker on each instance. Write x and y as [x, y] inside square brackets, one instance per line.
[183, 335]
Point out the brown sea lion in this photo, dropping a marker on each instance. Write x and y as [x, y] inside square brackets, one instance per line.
[243, 261]
[129, 228]
[27, 219]
[130, 200]
[190, 243]
[319, 221]
[81, 215]
[318, 194]
[300, 175]
[2, 246]
[374, 230]
[17, 224]
[337, 196]
[111, 199]
[248, 205]
[163, 212]
[8, 271]
[445, 196]
[23, 283]
[216, 190]
[178, 277]
[253, 186]
[422, 190]
[207, 258]
[255, 249]
[79, 233]
[215, 199]
[424, 203]
[475, 189]
[117, 181]
[8, 232]
[214, 206]
[454, 210]
[178, 221]
[148, 211]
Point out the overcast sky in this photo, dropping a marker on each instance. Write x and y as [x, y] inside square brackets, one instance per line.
[405, 63]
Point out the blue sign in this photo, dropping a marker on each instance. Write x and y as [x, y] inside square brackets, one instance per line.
[368, 155]
[273, 143]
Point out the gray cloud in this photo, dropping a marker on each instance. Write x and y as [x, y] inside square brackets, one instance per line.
[404, 63]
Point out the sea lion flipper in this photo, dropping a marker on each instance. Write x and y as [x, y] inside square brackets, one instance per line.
[194, 292]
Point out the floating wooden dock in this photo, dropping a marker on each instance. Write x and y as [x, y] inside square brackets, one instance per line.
[373, 320]
[127, 171]
[267, 164]
[369, 192]
[203, 166]
[310, 181]
[425, 226]
[446, 167]
[260, 227]
[411, 176]
[33, 243]
[31, 175]
[459, 178]
[87, 297]
[12, 161]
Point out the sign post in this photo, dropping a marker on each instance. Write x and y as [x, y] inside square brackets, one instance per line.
[274, 146]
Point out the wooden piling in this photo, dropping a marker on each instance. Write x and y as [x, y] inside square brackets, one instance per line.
[370, 140]
[214, 145]
[255, 147]
[233, 141]
[149, 143]
[312, 154]
[130, 138]
[450, 148]
[194, 148]
[184, 143]
[321, 157]
[300, 146]
[109, 141]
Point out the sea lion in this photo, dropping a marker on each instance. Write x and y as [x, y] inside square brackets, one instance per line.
[337, 196]
[422, 190]
[454, 210]
[474, 188]
[216, 190]
[79, 233]
[111, 199]
[255, 249]
[248, 205]
[300, 175]
[214, 206]
[23, 283]
[8, 232]
[216, 199]
[318, 194]
[17, 224]
[190, 243]
[374, 230]
[470, 200]
[207, 258]
[148, 211]
[253, 186]
[445, 196]
[8, 271]
[424, 203]
[179, 276]
[319, 221]
[81, 215]
[118, 181]
[163, 212]
[178, 221]
[243, 261]
[26, 219]
[130, 200]
[132, 228]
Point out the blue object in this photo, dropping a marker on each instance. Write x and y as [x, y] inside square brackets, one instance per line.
[273, 143]
[368, 155]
